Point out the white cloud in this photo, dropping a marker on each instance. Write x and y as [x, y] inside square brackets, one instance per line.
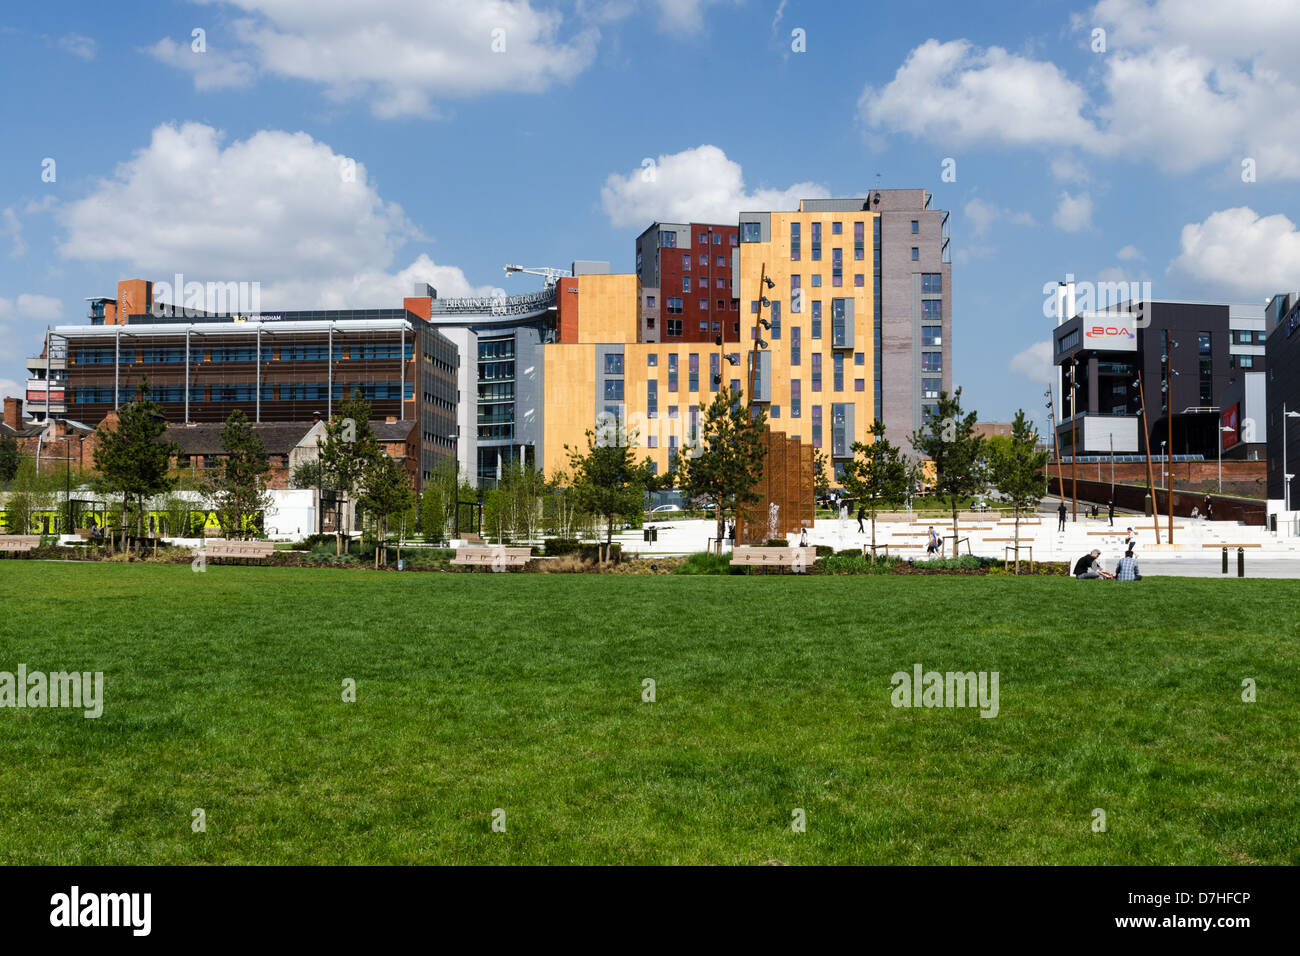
[1129, 254]
[11, 226]
[1180, 85]
[1034, 363]
[41, 307]
[982, 214]
[275, 206]
[211, 69]
[398, 55]
[370, 288]
[78, 45]
[958, 94]
[11, 389]
[695, 185]
[1073, 213]
[687, 14]
[1238, 251]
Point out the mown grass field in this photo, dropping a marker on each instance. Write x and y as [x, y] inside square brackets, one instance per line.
[524, 692]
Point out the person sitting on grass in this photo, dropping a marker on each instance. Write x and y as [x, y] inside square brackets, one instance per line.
[1126, 569]
[1089, 567]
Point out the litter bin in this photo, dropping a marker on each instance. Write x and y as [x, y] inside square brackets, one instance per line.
[1272, 522]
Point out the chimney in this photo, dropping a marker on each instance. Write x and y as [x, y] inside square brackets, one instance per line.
[315, 417]
[14, 413]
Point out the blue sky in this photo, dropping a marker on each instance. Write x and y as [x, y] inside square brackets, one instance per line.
[227, 159]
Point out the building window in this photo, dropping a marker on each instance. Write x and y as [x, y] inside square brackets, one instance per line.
[686, 283]
[837, 229]
[613, 363]
[817, 319]
[715, 371]
[672, 372]
[932, 335]
[796, 294]
[859, 240]
[916, 226]
[816, 371]
[932, 361]
[776, 319]
[859, 385]
[859, 358]
[613, 390]
[652, 398]
[837, 370]
[916, 254]
[751, 232]
[674, 305]
[795, 345]
[930, 387]
[837, 267]
[817, 425]
[672, 412]
[650, 302]
[704, 307]
[693, 374]
[931, 282]
[859, 280]
[817, 242]
[652, 359]
[668, 238]
[1246, 361]
[720, 282]
[817, 281]
[795, 238]
[673, 327]
[932, 309]
[722, 262]
[796, 398]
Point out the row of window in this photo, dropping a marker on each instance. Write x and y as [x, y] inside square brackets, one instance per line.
[247, 353]
[720, 262]
[668, 239]
[248, 392]
[719, 282]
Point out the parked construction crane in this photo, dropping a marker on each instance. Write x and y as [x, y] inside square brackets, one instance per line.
[545, 271]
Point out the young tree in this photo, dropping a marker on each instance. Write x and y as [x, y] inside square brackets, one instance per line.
[27, 495]
[387, 494]
[347, 451]
[726, 462]
[607, 480]
[239, 488]
[821, 473]
[877, 475]
[1016, 467]
[957, 451]
[132, 458]
[8, 458]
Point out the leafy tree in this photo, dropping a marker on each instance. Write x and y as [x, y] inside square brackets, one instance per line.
[726, 462]
[607, 480]
[239, 487]
[8, 458]
[387, 494]
[310, 474]
[877, 475]
[133, 460]
[1016, 467]
[950, 441]
[346, 453]
[821, 473]
[29, 493]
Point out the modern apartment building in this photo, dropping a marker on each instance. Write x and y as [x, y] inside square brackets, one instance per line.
[1282, 421]
[685, 274]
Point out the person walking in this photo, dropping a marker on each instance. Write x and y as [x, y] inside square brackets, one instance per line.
[1126, 569]
[1060, 516]
[1110, 512]
[803, 537]
[862, 513]
[1209, 506]
[932, 544]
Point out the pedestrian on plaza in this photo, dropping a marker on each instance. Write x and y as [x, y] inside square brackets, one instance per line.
[1126, 569]
[1209, 510]
[862, 513]
[932, 544]
[1130, 540]
[1060, 515]
[1110, 512]
[803, 537]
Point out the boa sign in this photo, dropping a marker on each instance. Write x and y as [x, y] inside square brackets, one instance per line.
[195, 524]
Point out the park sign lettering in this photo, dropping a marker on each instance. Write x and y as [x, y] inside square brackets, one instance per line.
[155, 522]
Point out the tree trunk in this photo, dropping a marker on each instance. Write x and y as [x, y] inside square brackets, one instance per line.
[954, 527]
[1017, 536]
[721, 529]
[873, 534]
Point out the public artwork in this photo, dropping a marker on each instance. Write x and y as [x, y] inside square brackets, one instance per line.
[786, 505]
[197, 523]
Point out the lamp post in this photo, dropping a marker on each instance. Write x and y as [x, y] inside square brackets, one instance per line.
[1146, 441]
[1286, 478]
[1074, 447]
[455, 484]
[1222, 429]
[1168, 387]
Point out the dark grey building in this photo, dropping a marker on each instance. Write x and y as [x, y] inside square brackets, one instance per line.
[1282, 358]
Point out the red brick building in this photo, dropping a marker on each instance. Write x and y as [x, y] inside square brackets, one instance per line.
[685, 273]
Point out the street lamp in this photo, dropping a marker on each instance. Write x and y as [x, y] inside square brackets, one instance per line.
[1222, 429]
[1286, 478]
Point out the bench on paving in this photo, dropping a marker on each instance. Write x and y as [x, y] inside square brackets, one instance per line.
[796, 559]
[229, 548]
[1253, 544]
[490, 556]
[17, 543]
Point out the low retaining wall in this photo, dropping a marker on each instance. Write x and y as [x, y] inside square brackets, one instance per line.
[1132, 497]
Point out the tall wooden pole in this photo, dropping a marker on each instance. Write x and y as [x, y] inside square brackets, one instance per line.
[1074, 448]
[1146, 440]
[1056, 443]
[1170, 462]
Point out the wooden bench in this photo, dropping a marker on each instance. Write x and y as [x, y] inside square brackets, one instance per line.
[19, 542]
[796, 559]
[228, 548]
[1255, 544]
[497, 557]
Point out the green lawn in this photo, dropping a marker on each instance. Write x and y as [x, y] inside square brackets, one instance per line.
[523, 692]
